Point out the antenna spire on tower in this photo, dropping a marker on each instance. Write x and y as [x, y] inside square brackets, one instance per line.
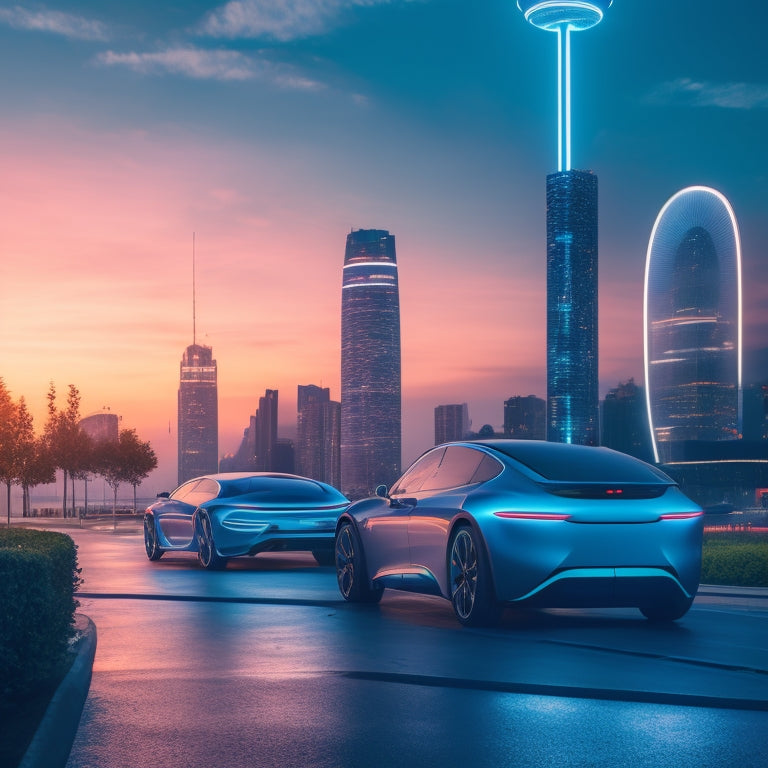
[194, 317]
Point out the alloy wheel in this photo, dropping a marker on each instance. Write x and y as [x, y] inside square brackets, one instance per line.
[151, 544]
[344, 553]
[463, 573]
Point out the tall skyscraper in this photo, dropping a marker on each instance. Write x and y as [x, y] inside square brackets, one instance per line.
[370, 363]
[572, 344]
[572, 354]
[198, 413]
[693, 322]
[451, 423]
[525, 418]
[318, 435]
[265, 432]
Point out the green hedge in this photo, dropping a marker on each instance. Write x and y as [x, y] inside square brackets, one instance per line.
[38, 580]
[735, 559]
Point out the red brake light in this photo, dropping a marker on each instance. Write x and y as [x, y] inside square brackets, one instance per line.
[530, 516]
[680, 515]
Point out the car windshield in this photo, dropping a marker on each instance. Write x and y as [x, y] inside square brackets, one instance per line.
[559, 462]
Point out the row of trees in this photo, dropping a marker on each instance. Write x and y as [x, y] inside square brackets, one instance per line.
[28, 459]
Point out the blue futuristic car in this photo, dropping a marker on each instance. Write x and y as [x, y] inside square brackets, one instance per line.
[496, 522]
[231, 514]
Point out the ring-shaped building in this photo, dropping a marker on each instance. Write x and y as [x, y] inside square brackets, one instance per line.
[692, 317]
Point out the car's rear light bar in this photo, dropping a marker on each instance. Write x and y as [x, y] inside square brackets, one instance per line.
[680, 515]
[531, 516]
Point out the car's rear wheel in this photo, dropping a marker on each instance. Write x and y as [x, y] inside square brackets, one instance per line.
[667, 610]
[472, 594]
[206, 547]
[151, 544]
[351, 573]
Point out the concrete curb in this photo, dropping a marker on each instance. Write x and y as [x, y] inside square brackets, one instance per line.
[51, 744]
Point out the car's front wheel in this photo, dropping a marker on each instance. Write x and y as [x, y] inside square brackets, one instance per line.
[472, 593]
[151, 544]
[206, 547]
[350, 567]
[667, 610]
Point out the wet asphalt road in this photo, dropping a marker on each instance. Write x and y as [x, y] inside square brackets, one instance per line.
[264, 665]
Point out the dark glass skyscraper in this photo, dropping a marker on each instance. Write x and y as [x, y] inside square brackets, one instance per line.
[198, 413]
[370, 363]
[572, 384]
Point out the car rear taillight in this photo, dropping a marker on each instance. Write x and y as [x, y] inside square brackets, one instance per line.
[531, 516]
[680, 515]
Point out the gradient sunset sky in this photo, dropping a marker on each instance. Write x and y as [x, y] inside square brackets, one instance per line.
[271, 128]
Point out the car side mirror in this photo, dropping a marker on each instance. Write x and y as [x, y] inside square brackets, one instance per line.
[381, 491]
[163, 495]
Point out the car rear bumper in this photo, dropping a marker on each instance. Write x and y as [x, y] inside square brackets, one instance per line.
[606, 587]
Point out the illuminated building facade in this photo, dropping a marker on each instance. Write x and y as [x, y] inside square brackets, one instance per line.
[572, 351]
[370, 364]
[198, 413]
[693, 323]
[451, 423]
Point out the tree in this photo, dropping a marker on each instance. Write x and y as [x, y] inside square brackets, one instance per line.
[38, 470]
[138, 459]
[127, 460]
[69, 446]
[8, 424]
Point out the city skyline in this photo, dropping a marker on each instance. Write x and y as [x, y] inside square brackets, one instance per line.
[125, 129]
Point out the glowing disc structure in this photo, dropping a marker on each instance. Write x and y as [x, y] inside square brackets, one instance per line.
[564, 17]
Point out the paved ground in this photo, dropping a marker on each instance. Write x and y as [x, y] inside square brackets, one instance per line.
[264, 665]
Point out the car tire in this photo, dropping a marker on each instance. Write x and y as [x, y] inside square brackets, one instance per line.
[351, 573]
[469, 579]
[151, 544]
[206, 547]
[667, 610]
[324, 556]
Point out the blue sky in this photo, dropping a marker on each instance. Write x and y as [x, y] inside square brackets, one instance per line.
[270, 128]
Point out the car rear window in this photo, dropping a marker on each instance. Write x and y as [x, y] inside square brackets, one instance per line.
[560, 462]
[282, 490]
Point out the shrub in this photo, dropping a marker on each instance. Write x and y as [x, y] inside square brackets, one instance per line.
[735, 559]
[38, 580]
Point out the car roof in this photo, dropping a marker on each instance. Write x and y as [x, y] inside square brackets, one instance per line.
[237, 483]
[570, 462]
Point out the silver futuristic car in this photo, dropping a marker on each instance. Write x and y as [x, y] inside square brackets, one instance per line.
[525, 522]
[231, 514]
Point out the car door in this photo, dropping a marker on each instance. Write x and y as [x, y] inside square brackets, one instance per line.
[385, 529]
[174, 515]
[440, 499]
